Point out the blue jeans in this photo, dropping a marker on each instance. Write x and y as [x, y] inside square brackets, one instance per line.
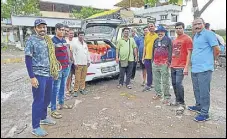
[201, 86]
[41, 99]
[177, 77]
[59, 88]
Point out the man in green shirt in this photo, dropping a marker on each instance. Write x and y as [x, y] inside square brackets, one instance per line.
[125, 52]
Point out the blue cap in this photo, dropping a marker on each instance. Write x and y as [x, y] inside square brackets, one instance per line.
[160, 28]
[39, 21]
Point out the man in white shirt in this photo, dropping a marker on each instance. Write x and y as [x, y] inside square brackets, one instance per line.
[70, 40]
[82, 60]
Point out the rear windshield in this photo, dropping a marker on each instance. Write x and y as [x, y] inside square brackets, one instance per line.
[99, 30]
[101, 51]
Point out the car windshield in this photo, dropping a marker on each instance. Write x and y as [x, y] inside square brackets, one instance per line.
[100, 30]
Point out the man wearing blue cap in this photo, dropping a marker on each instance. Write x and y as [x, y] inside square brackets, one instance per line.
[162, 54]
[39, 65]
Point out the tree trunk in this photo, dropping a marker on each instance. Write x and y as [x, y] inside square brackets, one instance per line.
[197, 12]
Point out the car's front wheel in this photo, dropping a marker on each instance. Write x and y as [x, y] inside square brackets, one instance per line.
[116, 77]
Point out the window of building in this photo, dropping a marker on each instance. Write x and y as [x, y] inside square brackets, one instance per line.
[52, 30]
[173, 18]
[172, 32]
[163, 17]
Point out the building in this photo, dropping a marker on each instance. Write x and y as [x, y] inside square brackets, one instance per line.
[166, 15]
[52, 13]
[48, 8]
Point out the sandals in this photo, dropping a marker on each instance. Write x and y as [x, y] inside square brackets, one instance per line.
[157, 97]
[129, 86]
[65, 106]
[119, 86]
[56, 115]
[68, 94]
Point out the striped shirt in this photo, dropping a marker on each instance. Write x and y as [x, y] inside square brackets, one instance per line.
[61, 51]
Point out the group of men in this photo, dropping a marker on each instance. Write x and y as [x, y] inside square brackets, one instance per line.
[159, 56]
[50, 64]
[156, 53]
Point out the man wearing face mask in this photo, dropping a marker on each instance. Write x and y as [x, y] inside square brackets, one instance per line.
[59, 84]
[42, 67]
[125, 52]
[162, 54]
[204, 53]
[82, 61]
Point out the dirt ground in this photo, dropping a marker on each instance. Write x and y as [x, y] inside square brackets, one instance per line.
[107, 111]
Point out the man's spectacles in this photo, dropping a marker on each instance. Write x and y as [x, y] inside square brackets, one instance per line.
[178, 28]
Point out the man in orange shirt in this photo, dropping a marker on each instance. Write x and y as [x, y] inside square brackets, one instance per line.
[181, 53]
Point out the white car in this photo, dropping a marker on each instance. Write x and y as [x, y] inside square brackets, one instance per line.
[98, 36]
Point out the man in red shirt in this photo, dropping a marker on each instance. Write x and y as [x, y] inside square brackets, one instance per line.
[181, 53]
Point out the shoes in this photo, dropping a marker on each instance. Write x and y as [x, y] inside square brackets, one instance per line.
[174, 103]
[39, 132]
[147, 88]
[75, 94]
[201, 118]
[47, 121]
[194, 108]
[83, 92]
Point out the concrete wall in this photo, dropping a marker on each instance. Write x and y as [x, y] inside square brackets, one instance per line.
[55, 14]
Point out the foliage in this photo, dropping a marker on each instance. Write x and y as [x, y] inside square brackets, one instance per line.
[19, 7]
[221, 32]
[153, 2]
[224, 37]
[85, 12]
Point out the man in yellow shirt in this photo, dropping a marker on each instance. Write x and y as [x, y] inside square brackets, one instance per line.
[147, 55]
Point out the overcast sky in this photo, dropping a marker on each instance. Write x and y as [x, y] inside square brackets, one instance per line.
[215, 14]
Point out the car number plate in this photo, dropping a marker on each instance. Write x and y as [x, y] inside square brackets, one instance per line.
[108, 69]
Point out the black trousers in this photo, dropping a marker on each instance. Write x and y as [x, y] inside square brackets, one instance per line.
[134, 70]
[126, 70]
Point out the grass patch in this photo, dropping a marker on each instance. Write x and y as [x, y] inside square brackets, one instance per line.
[4, 48]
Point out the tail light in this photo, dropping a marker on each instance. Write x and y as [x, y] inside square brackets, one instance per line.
[90, 73]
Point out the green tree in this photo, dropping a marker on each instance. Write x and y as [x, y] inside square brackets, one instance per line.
[153, 2]
[221, 32]
[19, 7]
[85, 12]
